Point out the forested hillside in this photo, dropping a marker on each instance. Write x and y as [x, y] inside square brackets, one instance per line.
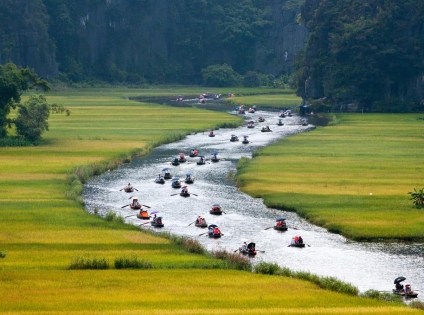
[366, 53]
[147, 40]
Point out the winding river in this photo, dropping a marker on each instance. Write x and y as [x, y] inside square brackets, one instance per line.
[365, 265]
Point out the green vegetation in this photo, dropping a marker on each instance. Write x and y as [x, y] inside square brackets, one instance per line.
[351, 178]
[359, 53]
[44, 233]
[282, 99]
[418, 197]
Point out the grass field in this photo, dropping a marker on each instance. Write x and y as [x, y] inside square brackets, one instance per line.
[352, 178]
[42, 231]
[284, 99]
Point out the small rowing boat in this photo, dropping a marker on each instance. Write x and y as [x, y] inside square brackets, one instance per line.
[214, 231]
[216, 209]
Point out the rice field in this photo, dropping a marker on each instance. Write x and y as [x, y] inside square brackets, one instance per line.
[283, 99]
[352, 178]
[42, 231]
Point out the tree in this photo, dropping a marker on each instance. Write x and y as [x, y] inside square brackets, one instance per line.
[251, 79]
[32, 118]
[220, 75]
[13, 82]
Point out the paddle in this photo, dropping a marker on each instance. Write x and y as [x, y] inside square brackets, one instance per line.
[203, 234]
[121, 189]
[236, 250]
[269, 228]
[146, 206]
[136, 189]
[195, 195]
[258, 250]
[124, 206]
[132, 215]
[144, 223]
[175, 194]
[191, 223]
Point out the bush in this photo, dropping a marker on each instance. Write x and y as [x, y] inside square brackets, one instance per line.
[418, 197]
[220, 76]
[87, 263]
[384, 296]
[111, 216]
[2, 255]
[132, 263]
[234, 261]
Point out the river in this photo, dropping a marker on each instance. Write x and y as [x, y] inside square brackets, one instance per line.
[365, 265]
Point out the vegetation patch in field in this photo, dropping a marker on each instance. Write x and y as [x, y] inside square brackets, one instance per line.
[132, 263]
[89, 263]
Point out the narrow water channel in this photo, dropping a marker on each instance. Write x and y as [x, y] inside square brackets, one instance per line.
[367, 266]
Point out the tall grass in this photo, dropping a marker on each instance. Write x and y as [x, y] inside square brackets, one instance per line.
[89, 263]
[132, 263]
[328, 283]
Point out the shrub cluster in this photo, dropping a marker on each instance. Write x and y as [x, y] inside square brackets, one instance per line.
[233, 260]
[2, 255]
[87, 263]
[132, 263]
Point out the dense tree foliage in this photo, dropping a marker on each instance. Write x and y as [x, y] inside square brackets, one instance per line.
[220, 75]
[32, 118]
[363, 51]
[13, 81]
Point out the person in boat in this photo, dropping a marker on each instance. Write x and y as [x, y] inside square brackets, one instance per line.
[211, 132]
[129, 187]
[279, 224]
[199, 220]
[201, 160]
[135, 203]
[184, 190]
[251, 247]
[300, 240]
[292, 242]
[154, 218]
[188, 177]
[408, 289]
[244, 247]
[296, 239]
[399, 286]
[216, 230]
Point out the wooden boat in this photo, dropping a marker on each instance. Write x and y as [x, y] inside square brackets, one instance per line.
[134, 204]
[280, 123]
[242, 111]
[189, 179]
[175, 162]
[211, 134]
[404, 294]
[216, 209]
[157, 222]
[250, 124]
[193, 153]
[245, 140]
[160, 180]
[202, 160]
[304, 122]
[282, 114]
[261, 119]
[180, 98]
[266, 129]
[167, 174]
[297, 245]
[202, 224]
[280, 225]
[184, 194]
[234, 138]
[251, 111]
[182, 158]
[129, 189]
[176, 183]
[135, 207]
[250, 250]
[143, 215]
[214, 231]
[214, 157]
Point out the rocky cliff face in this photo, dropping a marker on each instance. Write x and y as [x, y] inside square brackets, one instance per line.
[24, 39]
[162, 41]
[280, 43]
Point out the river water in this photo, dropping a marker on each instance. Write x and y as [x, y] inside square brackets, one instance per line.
[365, 265]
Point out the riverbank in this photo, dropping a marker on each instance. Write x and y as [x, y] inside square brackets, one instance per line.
[352, 178]
[42, 231]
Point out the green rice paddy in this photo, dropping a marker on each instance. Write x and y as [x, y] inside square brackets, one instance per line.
[42, 231]
[352, 178]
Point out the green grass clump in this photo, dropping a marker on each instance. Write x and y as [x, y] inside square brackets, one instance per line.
[89, 263]
[352, 178]
[282, 99]
[383, 296]
[328, 283]
[132, 263]
[2, 255]
[233, 260]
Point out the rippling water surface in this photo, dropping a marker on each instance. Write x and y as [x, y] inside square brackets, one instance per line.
[367, 266]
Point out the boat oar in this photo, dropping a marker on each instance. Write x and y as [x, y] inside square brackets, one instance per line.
[147, 206]
[175, 194]
[144, 223]
[262, 251]
[236, 250]
[121, 189]
[269, 228]
[195, 194]
[124, 206]
[203, 234]
[191, 223]
[136, 189]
